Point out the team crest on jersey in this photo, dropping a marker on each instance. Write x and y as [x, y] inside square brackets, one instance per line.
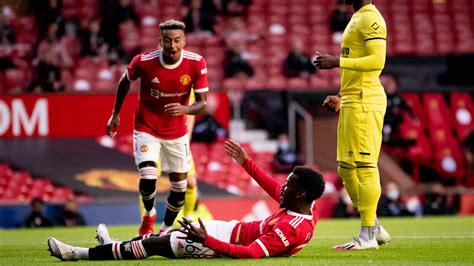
[185, 79]
[144, 148]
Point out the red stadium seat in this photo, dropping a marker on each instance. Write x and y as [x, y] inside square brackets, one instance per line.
[436, 110]
[462, 109]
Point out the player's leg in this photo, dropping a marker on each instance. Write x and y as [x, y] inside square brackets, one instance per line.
[351, 132]
[369, 178]
[176, 154]
[191, 192]
[147, 150]
[135, 249]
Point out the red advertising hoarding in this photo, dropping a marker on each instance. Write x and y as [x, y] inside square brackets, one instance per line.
[74, 115]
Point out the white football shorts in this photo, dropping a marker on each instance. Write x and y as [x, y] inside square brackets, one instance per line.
[184, 248]
[174, 153]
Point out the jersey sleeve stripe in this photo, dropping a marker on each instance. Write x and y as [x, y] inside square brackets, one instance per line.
[265, 250]
[375, 38]
[192, 58]
[128, 77]
[201, 90]
[298, 223]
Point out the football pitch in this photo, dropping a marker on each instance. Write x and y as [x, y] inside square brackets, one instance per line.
[427, 240]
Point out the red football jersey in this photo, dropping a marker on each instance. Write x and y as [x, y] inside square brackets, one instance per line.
[161, 84]
[282, 234]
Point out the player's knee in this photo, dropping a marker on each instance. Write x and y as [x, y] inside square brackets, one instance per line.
[148, 170]
[147, 188]
[346, 165]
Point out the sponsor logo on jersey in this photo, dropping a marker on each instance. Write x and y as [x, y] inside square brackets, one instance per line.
[157, 94]
[185, 79]
[155, 80]
[144, 148]
[282, 237]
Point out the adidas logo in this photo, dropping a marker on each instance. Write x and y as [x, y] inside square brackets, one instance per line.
[155, 80]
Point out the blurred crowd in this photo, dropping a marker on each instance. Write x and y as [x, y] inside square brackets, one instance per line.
[69, 216]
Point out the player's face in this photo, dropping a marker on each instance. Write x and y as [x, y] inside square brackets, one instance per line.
[172, 42]
[289, 190]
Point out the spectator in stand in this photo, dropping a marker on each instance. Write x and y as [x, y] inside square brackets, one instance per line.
[7, 38]
[285, 158]
[468, 147]
[113, 13]
[52, 44]
[70, 216]
[48, 75]
[395, 113]
[340, 17]
[199, 16]
[437, 202]
[36, 218]
[93, 40]
[46, 13]
[297, 63]
[235, 7]
[391, 204]
[126, 12]
[235, 65]
[344, 207]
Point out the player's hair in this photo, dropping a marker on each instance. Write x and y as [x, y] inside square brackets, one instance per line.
[311, 181]
[36, 200]
[172, 24]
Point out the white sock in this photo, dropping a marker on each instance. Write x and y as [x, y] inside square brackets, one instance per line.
[164, 227]
[367, 233]
[189, 217]
[150, 213]
[81, 253]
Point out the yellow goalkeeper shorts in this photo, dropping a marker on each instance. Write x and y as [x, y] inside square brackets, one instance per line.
[359, 135]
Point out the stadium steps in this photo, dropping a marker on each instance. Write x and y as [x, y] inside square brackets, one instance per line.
[257, 138]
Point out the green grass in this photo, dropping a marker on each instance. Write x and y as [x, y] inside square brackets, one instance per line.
[428, 240]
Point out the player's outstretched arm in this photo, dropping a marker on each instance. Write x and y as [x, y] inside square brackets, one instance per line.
[267, 182]
[122, 90]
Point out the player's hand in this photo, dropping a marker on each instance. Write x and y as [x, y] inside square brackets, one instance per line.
[193, 233]
[112, 125]
[325, 61]
[332, 103]
[234, 150]
[176, 109]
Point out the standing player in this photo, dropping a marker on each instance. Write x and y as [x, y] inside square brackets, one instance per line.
[362, 103]
[191, 190]
[284, 233]
[167, 77]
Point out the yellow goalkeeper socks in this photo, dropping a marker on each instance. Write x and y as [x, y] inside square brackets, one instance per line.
[190, 202]
[349, 177]
[369, 192]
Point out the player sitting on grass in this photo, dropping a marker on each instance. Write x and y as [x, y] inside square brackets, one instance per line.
[284, 233]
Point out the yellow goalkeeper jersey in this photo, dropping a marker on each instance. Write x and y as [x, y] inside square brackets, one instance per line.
[363, 51]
